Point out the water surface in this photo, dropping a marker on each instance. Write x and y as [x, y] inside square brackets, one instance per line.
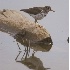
[56, 58]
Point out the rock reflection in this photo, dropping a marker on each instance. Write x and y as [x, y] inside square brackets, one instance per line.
[43, 45]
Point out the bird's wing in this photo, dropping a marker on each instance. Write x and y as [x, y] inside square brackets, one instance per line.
[34, 10]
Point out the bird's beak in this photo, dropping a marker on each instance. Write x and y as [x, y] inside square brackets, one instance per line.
[52, 10]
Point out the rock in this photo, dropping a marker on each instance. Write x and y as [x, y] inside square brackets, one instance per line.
[14, 23]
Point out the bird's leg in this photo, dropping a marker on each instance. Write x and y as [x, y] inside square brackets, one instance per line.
[36, 20]
[18, 46]
[24, 53]
[18, 55]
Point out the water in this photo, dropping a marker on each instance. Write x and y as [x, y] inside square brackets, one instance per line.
[56, 58]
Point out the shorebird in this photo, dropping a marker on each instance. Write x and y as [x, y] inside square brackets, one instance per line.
[38, 13]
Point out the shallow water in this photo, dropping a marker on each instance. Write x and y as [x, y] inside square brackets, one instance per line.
[55, 59]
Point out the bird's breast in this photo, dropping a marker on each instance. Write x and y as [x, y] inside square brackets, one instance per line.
[38, 16]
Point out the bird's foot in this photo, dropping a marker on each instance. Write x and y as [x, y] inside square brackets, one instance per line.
[36, 21]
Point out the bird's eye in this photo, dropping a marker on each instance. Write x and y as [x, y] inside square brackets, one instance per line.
[49, 8]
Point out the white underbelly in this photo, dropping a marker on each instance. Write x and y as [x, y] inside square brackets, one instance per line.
[38, 16]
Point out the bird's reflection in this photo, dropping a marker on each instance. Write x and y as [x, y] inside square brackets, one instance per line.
[31, 62]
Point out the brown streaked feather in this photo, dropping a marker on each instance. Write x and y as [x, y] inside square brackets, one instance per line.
[34, 10]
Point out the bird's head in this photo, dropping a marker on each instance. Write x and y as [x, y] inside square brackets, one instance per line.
[48, 8]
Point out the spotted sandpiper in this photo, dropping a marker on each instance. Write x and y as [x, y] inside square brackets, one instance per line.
[38, 13]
